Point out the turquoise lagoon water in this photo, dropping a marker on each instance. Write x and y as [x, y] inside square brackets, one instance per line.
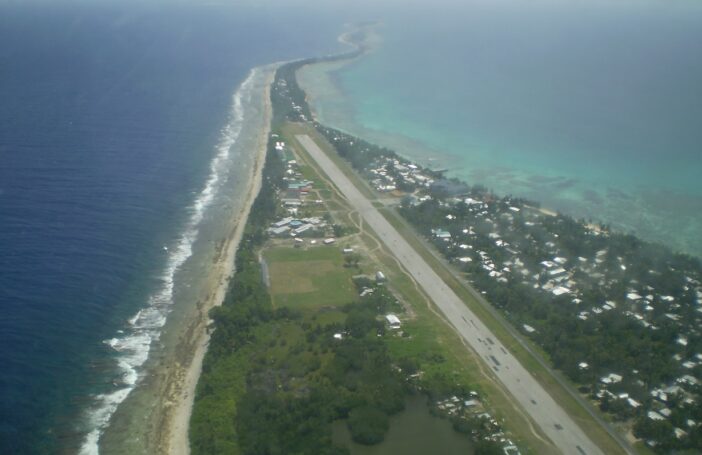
[592, 109]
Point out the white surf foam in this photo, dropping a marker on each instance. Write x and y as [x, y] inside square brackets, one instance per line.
[132, 345]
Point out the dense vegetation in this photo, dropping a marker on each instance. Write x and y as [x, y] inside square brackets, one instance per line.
[274, 380]
[246, 305]
[287, 98]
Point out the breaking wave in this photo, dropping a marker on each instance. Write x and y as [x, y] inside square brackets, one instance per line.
[132, 345]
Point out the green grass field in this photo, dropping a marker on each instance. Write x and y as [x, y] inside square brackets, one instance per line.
[309, 278]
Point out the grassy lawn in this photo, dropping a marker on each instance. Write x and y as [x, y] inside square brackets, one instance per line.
[327, 316]
[309, 174]
[309, 278]
[643, 449]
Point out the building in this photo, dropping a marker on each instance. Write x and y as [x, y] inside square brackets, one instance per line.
[393, 321]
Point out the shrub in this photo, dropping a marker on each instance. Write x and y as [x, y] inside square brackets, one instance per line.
[368, 425]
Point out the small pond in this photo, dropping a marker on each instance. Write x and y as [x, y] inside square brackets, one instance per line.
[414, 431]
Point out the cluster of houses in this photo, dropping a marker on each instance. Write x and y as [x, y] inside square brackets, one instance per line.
[295, 195]
[389, 174]
[471, 408]
[511, 242]
[497, 234]
[294, 227]
[567, 278]
[297, 189]
[282, 89]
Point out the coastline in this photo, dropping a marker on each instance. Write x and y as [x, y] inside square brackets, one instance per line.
[154, 419]
[214, 400]
[381, 167]
[646, 211]
[184, 447]
[324, 69]
[175, 414]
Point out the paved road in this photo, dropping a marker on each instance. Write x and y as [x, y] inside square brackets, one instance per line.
[552, 419]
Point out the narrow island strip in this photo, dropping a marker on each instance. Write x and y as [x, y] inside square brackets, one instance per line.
[325, 335]
[308, 355]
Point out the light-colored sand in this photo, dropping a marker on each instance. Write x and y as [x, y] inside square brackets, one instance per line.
[547, 211]
[590, 226]
[311, 77]
[176, 406]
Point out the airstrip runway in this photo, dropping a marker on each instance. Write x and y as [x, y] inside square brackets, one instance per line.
[544, 411]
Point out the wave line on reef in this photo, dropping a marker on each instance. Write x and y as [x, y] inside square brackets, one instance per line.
[133, 345]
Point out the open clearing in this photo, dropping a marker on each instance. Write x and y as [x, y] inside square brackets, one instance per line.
[308, 278]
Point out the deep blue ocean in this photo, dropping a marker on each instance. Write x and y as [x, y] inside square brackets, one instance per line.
[109, 116]
[592, 107]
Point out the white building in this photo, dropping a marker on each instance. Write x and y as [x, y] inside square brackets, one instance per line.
[393, 321]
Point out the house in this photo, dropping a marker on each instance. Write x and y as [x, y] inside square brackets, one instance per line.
[282, 222]
[279, 230]
[303, 228]
[441, 234]
[653, 415]
[366, 291]
[557, 271]
[392, 320]
[679, 433]
[633, 296]
[560, 290]
[633, 403]
[612, 378]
